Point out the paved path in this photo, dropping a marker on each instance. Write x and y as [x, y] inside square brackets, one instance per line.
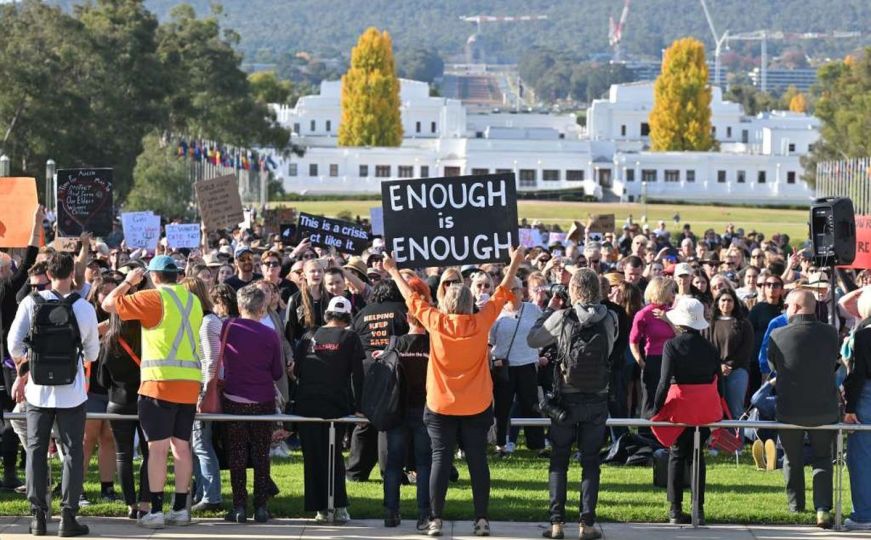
[12, 528]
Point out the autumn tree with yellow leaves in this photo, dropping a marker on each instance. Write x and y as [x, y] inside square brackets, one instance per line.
[681, 115]
[370, 94]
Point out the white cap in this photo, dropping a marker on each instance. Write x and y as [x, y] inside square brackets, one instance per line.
[339, 304]
[682, 269]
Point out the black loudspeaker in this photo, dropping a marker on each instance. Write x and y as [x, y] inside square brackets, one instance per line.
[833, 231]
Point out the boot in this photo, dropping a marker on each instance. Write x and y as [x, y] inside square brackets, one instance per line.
[37, 523]
[69, 526]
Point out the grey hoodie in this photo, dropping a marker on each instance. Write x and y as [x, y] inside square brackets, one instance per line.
[547, 328]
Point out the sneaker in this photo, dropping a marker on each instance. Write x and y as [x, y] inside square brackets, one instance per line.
[589, 532]
[261, 514]
[236, 515]
[482, 527]
[152, 521]
[556, 531]
[422, 522]
[770, 455]
[435, 527]
[758, 451]
[851, 525]
[83, 501]
[179, 518]
[204, 506]
[824, 519]
[510, 447]
[342, 515]
[279, 451]
[461, 454]
[322, 516]
[11, 483]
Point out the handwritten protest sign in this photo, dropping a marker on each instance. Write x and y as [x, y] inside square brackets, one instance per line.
[528, 237]
[376, 218]
[17, 204]
[183, 235]
[863, 243]
[556, 238]
[345, 236]
[66, 243]
[450, 221]
[141, 229]
[84, 201]
[219, 202]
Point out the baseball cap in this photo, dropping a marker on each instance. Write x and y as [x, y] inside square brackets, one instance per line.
[682, 269]
[339, 304]
[241, 250]
[162, 263]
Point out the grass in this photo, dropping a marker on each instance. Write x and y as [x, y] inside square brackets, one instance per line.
[701, 217]
[519, 492]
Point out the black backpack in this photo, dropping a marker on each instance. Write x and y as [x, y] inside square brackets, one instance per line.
[54, 341]
[583, 355]
[381, 392]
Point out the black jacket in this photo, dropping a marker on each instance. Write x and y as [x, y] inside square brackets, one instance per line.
[805, 355]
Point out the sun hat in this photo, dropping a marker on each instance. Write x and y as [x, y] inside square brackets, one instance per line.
[688, 311]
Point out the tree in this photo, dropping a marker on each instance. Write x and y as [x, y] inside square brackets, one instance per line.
[752, 100]
[681, 115]
[843, 99]
[267, 88]
[161, 180]
[419, 64]
[798, 103]
[370, 94]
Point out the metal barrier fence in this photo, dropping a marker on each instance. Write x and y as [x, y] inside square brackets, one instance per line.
[544, 422]
[846, 178]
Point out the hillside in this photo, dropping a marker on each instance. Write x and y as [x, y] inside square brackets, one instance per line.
[271, 28]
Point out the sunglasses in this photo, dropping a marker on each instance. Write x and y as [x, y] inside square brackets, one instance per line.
[449, 282]
[271, 264]
[308, 256]
[39, 286]
[483, 285]
[773, 285]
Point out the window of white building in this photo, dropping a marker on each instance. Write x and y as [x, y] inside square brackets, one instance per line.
[364, 171]
[550, 175]
[382, 171]
[329, 125]
[432, 127]
[313, 125]
[622, 130]
[296, 128]
[790, 177]
[312, 169]
[334, 169]
[291, 169]
[424, 171]
[721, 177]
[672, 175]
[480, 171]
[648, 175]
[741, 177]
[575, 175]
[527, 178]
[760, 177]
[417, 127]
[406, 171]
[645, 129]
[691, 175]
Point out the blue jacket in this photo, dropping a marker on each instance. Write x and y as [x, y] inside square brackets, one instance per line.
[775, 323]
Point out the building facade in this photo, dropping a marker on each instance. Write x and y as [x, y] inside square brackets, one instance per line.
[758, 160]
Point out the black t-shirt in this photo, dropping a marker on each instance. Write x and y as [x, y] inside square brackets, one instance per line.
[376, 323]
[117, 371]
[235, 282]
[329, 373]
[286, 289]
[413, 352]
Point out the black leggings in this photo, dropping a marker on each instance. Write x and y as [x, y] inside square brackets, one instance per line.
[523, 383]
[444, 430]
[123, 432]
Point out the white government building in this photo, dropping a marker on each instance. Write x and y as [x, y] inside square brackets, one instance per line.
[758, 161]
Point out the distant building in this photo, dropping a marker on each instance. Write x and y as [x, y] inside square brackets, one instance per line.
[758, 161]
[779, 80]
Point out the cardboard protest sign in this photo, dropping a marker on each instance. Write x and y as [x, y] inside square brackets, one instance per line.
[602, 223]
[528, 238]
[18, 202]
[183, 235]
[219, 202]
[141, 230]
[376, 218]
[345, 236]
[450, 221]
[66, 243]
[84, 201]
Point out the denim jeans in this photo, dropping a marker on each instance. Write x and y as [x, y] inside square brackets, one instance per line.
[207, 471]
[736, 390]
[397, 445]
[585, 425]
[859, 460]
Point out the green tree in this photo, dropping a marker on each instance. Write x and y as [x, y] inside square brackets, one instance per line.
[370, 94]
[161, 180]
[267, 88]
[419, 64]
[681, 115]
[843, 102]
[753, 100]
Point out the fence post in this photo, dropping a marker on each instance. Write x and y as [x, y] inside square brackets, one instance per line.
[839, 499]
[331, 475]
[697, 452]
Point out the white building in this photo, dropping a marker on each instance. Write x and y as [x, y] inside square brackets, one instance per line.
[758, 161]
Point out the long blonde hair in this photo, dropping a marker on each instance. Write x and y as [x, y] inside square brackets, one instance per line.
[454, 276]
[199, 289]
[309, 319]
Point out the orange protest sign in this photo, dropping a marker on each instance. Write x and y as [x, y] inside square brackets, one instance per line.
[18, 202]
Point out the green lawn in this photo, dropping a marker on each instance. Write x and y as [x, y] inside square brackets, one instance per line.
[519, 493]
[766, 220]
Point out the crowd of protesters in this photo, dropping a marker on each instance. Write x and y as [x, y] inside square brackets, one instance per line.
[644, 322]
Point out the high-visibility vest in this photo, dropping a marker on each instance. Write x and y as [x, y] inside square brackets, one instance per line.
[171, 350]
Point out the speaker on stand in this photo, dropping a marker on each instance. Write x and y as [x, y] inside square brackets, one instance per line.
[833, 238]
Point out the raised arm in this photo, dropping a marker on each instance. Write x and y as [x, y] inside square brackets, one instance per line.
[517, 255]
[393, 271]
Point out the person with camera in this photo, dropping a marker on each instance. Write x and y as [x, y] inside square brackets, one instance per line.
[584, 333]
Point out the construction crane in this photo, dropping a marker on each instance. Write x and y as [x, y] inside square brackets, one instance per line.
[615, 31]
[764, 35]
[486, 19]
[718, 42]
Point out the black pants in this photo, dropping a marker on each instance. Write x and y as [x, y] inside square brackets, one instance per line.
[367, 449]
[821, 442]
[585, 425]
[650, 376]
[123, 431]
[443, 431]
[71, 436]
[522, 382]
[315, 442]
[681, 453]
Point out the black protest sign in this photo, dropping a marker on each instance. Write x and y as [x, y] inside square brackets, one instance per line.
[345, 236]
[84, 201]
[450, 221]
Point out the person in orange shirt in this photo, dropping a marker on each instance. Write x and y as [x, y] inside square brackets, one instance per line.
[459, 389]
[171, 378]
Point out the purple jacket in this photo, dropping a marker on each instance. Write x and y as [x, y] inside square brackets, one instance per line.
[252, 360]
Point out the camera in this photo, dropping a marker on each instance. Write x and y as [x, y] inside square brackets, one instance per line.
[560, 291]
[551, 407]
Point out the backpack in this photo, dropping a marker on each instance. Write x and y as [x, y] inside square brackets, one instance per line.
[583, 355]
[380, 402]
[54, 341]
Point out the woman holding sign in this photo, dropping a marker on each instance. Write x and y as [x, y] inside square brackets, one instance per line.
[459, 387]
